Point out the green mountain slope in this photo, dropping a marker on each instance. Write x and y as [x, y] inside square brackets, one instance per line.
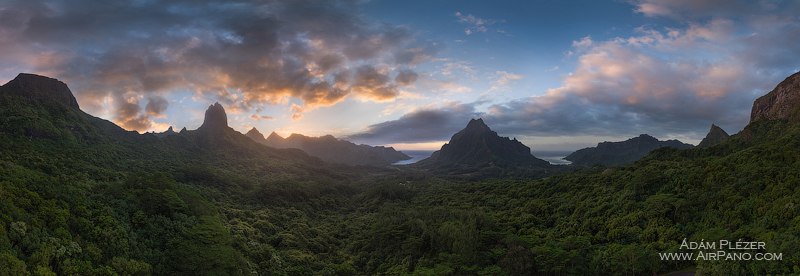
[80, 196]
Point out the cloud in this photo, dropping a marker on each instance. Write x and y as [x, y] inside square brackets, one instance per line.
[243, 53]
[474, 24]
[156, 105]
[697, 9]
[457, 67]
[583, 43]
[406, 77]
[422, 125]
[671, 82]
[502, 79]
[664, 82]
[258, 117]
[129, 114]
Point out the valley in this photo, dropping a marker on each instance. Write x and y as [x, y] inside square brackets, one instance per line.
[83, 196]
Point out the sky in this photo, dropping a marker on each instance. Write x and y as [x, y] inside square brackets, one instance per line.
[557, 75]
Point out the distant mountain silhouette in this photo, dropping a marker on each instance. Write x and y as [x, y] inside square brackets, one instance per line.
[477, 147]
[333, 150]
[214, 135]
[168, 132]
[621, 153]
[780, 103]
[715, 136]
[256, 135]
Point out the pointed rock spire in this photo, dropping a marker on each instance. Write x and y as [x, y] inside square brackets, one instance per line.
[215, 117]
[715, 136]
[40, 88]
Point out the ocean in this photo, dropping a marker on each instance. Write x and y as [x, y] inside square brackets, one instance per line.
[554, 157]
[416, 155]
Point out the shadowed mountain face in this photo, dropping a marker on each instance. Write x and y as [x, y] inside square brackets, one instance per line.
[256, 135]
[621, 153]
[477, 146]
[333, 150]
[45, 108]
[215, 118]
[715, 136]
[37, 87]
[780, 103]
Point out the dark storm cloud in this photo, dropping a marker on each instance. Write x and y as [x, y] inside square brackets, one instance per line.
[244, 53]
[423, 125]
[156, 106]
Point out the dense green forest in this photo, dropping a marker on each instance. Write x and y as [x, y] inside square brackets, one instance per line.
[79, 196]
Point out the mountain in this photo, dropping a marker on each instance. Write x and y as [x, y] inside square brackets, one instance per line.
[215, 137]
[40, 88]
[256, 135]
[715, 136]
[92, 202]
[168, 132]
[333, 150]
[621, 153]
[45, 108]
[274, 138]
[215, 118]
[74, 183]
[476, 148]
[780, 103]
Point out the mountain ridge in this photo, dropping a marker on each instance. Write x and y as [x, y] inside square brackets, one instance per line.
[622, 152]
[332, 149]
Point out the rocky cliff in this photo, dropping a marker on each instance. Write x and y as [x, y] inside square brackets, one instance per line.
[780, 103]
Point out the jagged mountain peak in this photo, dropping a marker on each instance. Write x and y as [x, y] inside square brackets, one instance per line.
[254, 134]
[215, 117]
[274, 136]
[331, 149]
[478, 145]
[646, 136]
[715, 136]
[477, 125]
[38, 87]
